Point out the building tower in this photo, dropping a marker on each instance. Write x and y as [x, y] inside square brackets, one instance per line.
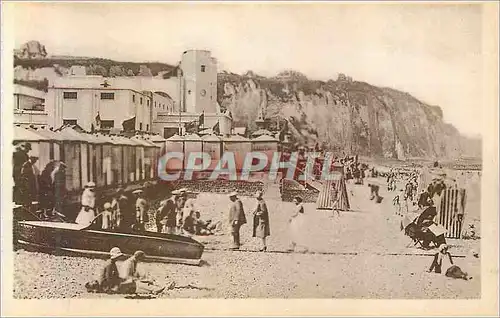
[198, 82]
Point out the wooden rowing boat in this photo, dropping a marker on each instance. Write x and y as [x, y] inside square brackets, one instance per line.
[90, 241]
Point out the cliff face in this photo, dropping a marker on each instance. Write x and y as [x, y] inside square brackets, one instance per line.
[342, 115]
[345, 116]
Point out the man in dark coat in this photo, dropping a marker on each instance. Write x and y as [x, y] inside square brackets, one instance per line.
[261, 226]
[29, 182]
[236, 219]
[166, 215]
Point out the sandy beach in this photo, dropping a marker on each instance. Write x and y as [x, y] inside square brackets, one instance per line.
[359, 254]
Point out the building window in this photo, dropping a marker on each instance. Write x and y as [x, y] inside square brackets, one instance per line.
[107, 124]
[163, 106]
[70, 95]
[133, 98]
[107, 95]
[148, 102]
[70, 122]
[203, 68]
[189, 92]
[140, 126]
[155, 104]
[140, 100]
[147, 127]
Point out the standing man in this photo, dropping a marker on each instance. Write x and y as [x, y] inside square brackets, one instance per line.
[29, 181]
[261, 228]
[166, 215]
[141, 209]
[236, 219]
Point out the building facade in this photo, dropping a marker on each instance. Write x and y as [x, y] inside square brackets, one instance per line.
[102, 103]
[198, 82]
[29, 106]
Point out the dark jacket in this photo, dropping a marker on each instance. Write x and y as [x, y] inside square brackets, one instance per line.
[237, 213]
[167, 213]
[261, 219]
[109, 279]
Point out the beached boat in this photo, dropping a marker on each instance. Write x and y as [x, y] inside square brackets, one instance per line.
[60, 237]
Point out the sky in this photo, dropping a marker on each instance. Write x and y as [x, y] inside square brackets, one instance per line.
[432, 51]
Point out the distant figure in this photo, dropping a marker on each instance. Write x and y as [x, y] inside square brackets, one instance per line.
[374, 189]
[236, 219]
[141, 209]
[296, 224]
[88, 210]
[19, 157]
[443, 260]
[29, 181]
[261, 228]
[118, 200]
[107, 217]
[166, 214]
[189, 224]
[205, 227]
[47, 195]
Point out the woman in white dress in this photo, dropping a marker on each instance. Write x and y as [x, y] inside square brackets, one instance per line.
[88, 212]
[297, 225]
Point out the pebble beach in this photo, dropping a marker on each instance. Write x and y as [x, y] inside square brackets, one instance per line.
[359, 254]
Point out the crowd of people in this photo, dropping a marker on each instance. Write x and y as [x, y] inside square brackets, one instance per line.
[45, 189]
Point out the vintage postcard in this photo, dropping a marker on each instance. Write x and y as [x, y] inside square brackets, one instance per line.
[253, 158]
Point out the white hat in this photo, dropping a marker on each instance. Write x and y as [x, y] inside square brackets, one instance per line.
[182, 190]
[107, 206]
[137, 191]
[233, 194]
[176, 192]
[115, 252]
[90, 184]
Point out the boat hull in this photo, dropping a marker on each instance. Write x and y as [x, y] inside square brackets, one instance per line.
[47, 237]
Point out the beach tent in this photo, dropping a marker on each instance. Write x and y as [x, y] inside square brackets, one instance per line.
[175, 144]
[192, 143]
[239, 146]
[213, 146]
[329, 189]
[267, 145]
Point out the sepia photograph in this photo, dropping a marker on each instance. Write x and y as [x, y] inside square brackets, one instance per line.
[250, 151]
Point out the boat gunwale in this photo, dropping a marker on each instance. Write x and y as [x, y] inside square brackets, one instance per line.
[163, 259]
[191, 241]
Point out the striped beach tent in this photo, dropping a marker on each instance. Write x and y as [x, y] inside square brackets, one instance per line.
[329, 190]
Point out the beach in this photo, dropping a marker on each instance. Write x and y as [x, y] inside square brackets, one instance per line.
[360, 254]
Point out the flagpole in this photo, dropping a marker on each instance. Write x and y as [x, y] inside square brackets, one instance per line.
[180, 120]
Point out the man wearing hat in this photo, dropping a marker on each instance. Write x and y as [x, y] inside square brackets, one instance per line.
[109, 279]
[141, 209]
[29, 181]
[261, 227]
[166, 214]
[88, 212]
[236, 219]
